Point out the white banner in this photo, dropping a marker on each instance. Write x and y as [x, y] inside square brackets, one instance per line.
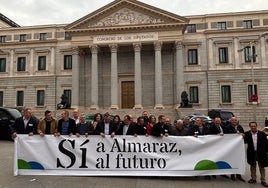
[129, 156]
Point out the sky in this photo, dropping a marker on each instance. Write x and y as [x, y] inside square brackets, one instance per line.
[40, 12]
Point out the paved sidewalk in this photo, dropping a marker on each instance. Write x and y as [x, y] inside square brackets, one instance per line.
[7, 180]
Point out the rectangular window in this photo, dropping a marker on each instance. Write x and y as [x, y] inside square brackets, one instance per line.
[40, 98]
[251, 92]
[67, 62]
[2, 64]
[3, 39]
[21, 66]
[226, 94]
[221, 25]
[191, 28]
[1, 98]
[20, 98]
[67, 36]
[68, 93]
[194, 98]
[43, 36]
[22, 38]
[247, 24]
[249, 55]
[223, 55]
[41, 63]
[192, 57]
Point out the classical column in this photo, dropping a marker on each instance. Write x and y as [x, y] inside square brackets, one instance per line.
[52, 67]
[75, 78]
[31, 68]
[210, 53]
[179, 73]
[114, 77]
[158, 76]
[94, 78]
[236, 53]
[138, 86]
[11, 68]
[262, 52]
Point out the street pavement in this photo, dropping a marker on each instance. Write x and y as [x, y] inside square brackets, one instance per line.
[7, 180]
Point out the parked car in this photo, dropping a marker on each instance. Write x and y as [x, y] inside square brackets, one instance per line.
[206, 119]
[7, 118]
[223, 114]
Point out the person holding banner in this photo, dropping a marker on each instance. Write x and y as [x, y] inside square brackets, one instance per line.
[66, 125]
[26, 124]
[160, 129]
[140, 128]
[257, 147]
[126, 127]
[83, 127]
[48, 125]
[106, 126]
[178, 129]
[217, 128]
[199, 128]
[235, 128]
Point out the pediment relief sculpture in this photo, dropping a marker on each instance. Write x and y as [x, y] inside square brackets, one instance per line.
[126, 16]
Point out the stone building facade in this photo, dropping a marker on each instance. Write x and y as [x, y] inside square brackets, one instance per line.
[128, 54]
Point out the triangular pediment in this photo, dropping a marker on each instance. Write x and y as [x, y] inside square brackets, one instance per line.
[126, 13]
[126, 16]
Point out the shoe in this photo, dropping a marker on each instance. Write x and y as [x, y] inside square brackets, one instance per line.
[233, 177]
[239, 177]
[264, 184]
[252, 181]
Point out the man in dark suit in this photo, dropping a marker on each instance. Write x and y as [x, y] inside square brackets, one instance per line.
[160, 129]
[66, 125]
[106, 126]
[217, 127]
[199, 128]
[126, 127]
[26, 124]
[256, 152]
[235, 128]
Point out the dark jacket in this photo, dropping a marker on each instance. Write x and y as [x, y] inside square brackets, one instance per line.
[89, 130]
[159, 129]
[71, 127]
[216, 130]
[141, 129]
[195, 128]
[130, 131]
[231, 129]
[19, 127]
[262, 148]
[100, 128]
[173, 130]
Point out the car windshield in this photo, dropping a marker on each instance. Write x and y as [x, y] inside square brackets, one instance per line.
[15, 113]
[226, 115]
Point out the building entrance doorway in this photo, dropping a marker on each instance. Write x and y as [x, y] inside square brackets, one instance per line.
[128, 94]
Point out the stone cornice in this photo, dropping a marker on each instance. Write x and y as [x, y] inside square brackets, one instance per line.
[129, 27]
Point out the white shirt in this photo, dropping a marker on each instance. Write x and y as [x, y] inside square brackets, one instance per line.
[254, 138]
[106, 128]
[25, 122]
[125, 128]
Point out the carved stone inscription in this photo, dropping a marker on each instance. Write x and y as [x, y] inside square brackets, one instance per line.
[137, 37]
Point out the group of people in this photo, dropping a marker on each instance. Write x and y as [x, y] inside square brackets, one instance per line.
[104, 125]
